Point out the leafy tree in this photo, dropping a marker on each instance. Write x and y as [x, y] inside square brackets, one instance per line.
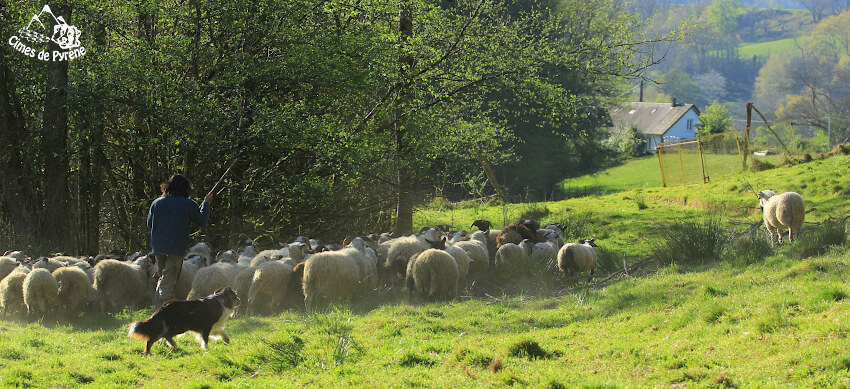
[626, 141]
[714, 120]
[679, 85]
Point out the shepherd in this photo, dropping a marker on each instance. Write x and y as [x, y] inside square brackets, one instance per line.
[169, 220]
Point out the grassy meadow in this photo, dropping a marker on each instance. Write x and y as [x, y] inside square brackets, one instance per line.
[746, 316]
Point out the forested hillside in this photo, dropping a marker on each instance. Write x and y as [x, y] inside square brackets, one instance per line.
[340, 115]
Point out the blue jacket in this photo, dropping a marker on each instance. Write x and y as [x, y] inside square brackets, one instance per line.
[169, 220]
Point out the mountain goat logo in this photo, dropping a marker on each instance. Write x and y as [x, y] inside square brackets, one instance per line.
[66, 36]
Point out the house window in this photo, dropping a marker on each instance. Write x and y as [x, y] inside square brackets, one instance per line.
[690, 124]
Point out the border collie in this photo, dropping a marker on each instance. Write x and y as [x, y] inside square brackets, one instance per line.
[205, 316]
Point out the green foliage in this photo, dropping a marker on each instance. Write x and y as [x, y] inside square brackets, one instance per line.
[679, 85]
[528, 349]
[714, 120]
[692, 241]
[817, 240]
[749, 248]
[626, 141]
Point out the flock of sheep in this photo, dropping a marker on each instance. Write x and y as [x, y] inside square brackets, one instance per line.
[433, 265]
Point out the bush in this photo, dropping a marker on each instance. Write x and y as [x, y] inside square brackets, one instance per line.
[749, 248]
[816, 240]
[692, 241]
[757, 165]
[528, 349]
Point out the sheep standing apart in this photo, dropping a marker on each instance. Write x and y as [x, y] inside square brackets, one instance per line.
[512, 260]
[40, 292]
[75, 288]
[578, 257]
[785, 211]
[120, 284]
[333, 275]
[12, 290]
[269, 286]
[462, 259]
[432, 275]
[7, 265]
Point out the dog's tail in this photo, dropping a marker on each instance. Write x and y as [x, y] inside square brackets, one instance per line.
[145, 330]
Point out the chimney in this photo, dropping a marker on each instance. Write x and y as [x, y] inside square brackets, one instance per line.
[673, 102]
[640, 99]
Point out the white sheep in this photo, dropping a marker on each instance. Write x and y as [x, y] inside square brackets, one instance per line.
[544, 255]
[187, 275]
[211, 278]
[333, 275]
[367, 264]
[578, 257]
[399, 253]
[479, 260]
[7, 265]
[40, 292]
[268, 255]
[120, 284]
[242, 283]
[462, 259]
[12, 290]
[75, 288]
[432, 275]
[512, 260]
[785, 211]
[201, 249]
[50, 264]
[269, 285]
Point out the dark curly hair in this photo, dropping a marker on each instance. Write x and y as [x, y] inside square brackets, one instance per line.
[177, 185]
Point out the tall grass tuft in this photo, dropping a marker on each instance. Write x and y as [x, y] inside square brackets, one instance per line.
[692, 241]
[817, 240]
[749, 248]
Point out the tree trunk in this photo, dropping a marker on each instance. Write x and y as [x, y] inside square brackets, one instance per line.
[404, 206]
[19, 194]
[56, 226]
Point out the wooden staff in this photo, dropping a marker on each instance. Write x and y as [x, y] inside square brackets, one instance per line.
[222, 176]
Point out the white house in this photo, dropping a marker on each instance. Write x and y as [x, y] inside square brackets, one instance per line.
[658, 122]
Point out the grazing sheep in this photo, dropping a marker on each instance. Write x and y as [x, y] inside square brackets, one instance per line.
[211, 278]
[400, 252]
[333, 275]
[75, 288]
[785, 211]
[578, 257]
[512, 259]
[120, 284]
[40, 292]
[12, 290]
[7, 265]
[269, 286]
[515, 233]
[432, 275]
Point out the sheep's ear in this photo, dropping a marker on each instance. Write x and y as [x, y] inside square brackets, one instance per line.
[581, 241]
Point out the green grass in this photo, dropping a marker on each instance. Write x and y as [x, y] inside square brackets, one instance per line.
[635, 173]
[787, 47]
[777, 318]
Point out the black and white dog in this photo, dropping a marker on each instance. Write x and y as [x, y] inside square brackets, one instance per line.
[205, 316]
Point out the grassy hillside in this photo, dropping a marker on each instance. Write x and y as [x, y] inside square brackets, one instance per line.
[636, 173]
[788, 47]
[776, 319]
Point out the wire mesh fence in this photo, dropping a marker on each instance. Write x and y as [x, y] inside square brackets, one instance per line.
[698, 160]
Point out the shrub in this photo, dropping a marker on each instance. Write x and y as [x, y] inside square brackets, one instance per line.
[757, 165]
[749, 248]
[528, 349]
[815, 241]
[692, 241]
